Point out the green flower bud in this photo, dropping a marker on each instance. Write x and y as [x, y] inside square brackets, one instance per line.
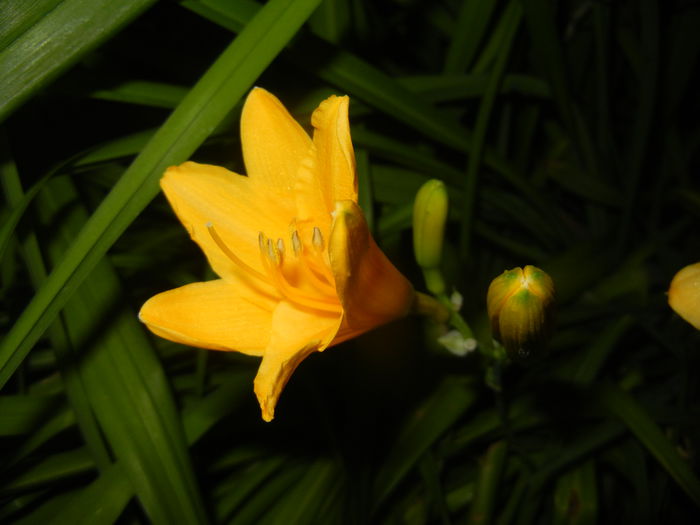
[519, 303]
[684, 294]
[429, 217]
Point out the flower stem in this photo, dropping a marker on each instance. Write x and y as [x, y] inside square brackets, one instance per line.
[428, 306]
[441, 310]
[456, 319]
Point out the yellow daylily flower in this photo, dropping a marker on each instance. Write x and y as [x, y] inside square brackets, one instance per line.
[299, 270]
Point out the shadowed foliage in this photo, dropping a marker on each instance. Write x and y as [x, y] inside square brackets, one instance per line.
[566, 133]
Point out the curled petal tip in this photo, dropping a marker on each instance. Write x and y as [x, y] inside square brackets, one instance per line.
[330, 109]
[267, 409]
[266, 401]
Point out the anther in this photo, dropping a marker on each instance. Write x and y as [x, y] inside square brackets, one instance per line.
[271, 253]
[296, 243]
[317, 239]
[280, 246]
[261, 242]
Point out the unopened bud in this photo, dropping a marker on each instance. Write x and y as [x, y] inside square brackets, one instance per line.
[520, 303]
[684, 294]
[429, 217]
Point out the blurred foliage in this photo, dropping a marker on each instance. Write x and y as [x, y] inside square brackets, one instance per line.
[567, 135]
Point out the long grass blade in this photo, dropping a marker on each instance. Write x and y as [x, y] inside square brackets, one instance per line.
[74, 387]
[198, 114]
[354, 76]
[511, 21]
[46, 42]
[648, 432]
[426, 425]
[124, 380]
[470, 27]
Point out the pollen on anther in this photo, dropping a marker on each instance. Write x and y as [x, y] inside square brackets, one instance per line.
[317, 238]
[271, 253]
[296, 243]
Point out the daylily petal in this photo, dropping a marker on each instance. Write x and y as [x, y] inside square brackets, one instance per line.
[204, 195]
[274, 144]
[216, 314]
[336, 157]
[347, 332]
[309, 196]
[296, 333]
[371, 290]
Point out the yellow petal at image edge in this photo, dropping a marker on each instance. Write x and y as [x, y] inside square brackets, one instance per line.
[684, 294]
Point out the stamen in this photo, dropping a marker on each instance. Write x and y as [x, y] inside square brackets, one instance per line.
[322, 282]
[227, 251]
[271, 253]
[293, 294]
[317, 239]
[296, 243]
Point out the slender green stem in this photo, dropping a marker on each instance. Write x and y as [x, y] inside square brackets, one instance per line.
[488, 483]
[441, 310]
[483, 119]
[428, 306]
[456, 320]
